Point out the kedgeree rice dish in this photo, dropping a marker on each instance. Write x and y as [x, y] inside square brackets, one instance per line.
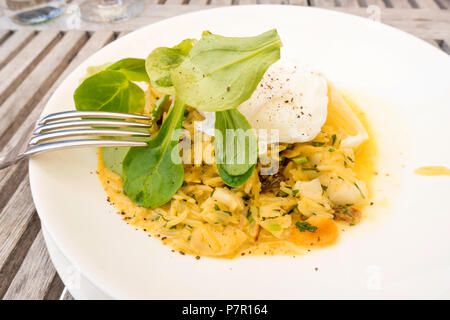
[248, 155]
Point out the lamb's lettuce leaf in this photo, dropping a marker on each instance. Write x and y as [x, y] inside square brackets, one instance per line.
[220, 72]
[151, 175]
[237, 148]
[162, 60]
[109, 91]
[132, 68]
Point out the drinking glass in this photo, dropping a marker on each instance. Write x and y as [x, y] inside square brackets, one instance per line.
[110, 10]
[33, 11]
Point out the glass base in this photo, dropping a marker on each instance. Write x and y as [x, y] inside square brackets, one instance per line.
[110, 11]
[36, 15]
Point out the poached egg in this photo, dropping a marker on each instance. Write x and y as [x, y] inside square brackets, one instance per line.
[289, 102]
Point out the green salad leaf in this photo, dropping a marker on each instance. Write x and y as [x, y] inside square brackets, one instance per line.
[220, 72]
[235, 181]
[161, 105]
[109, 91]
[162, 60]
[237, 149]
[113, 156]
[90, 71]
[150, 175]
[132, 68]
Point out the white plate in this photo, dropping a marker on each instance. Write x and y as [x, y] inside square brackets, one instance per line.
[403, 254]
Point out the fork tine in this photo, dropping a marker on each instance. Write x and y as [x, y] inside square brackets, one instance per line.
[85, 132]
[90, 123]
[68, 144]
[89, 114]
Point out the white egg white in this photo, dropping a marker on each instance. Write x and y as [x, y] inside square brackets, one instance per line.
[289, 100]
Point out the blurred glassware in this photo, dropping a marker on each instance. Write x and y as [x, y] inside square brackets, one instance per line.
[33, 11]
[110, 10]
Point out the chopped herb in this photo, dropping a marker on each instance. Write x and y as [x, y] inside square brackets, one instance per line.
[339, 177]
[216, 207]
[250, 216]
[331, 150]
[282, 194]
[324, 188]
[333, 139]
[193, 197]
[289, 211]
[295, 192]
[350, 159]
[227, 212]
[362, 195]
[317, 144]
[212, 192]
[173, 227]
[300, 160]
[305, 226]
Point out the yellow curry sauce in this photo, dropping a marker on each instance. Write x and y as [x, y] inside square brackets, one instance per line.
[433, 171]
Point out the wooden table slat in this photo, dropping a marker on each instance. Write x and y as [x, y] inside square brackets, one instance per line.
[380, 3]
[21, 202]
[174, 2]
[4, 34]
[35, 274]
[13, 44]
[198, 2]
[427, 4]
[18, 104]
[246, 2]
[323, 3]
[445, 4]
[14, 220]
[348, 3]
[446, 45]
[404, 4]
[25, 61]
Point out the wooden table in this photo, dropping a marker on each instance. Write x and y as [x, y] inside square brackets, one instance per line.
[33, 62]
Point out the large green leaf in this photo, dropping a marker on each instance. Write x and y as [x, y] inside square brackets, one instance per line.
[109, 91]
[237, 147]
[132, 68]
[220, 73]
[162, 60]
[153, 174]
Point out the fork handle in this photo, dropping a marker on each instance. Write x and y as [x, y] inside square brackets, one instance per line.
[4, 163]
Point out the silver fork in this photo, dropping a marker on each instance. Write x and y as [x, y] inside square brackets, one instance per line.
[52, 130]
